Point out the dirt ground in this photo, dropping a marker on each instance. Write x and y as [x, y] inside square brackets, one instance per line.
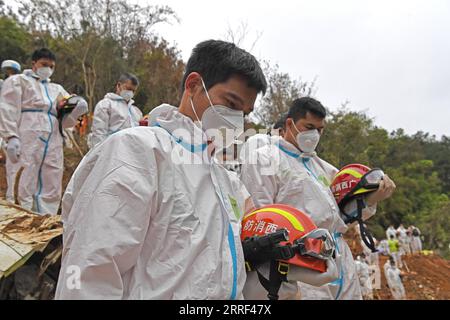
[424, 278]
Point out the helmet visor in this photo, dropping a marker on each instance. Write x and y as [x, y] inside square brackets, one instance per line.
[318, 244]
[372, 179]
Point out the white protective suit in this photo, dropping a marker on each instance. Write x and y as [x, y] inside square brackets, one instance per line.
[253, 143]
[416, 242]
[157, 112]
[403, 241]
[391, 231]
[373, 260]
[383, 247]
[28, 111]
[111, 115]
[363, 271]
[13, 168]
[254, 290]
[394, 281]
[284, 175]
[143, 222]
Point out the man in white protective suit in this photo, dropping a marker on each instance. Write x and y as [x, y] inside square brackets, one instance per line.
[10, 68]
[116, 111]
[149, 213]
[364, 273]
[416, 241]
[290, 172]
[394, 280]
[30, 126]
[403, 240]
[390, 231]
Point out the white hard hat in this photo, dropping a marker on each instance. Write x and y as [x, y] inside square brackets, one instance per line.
[11, 64]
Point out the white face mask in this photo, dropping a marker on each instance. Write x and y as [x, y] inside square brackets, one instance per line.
[127, 94]
[307, 141]
[221, 117]
[44, 73]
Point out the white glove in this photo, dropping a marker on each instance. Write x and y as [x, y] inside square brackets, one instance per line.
[253, 290]
[80, 109]
[13, 149]
[312, 277]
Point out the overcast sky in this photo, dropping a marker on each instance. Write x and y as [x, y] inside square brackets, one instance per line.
[391, 58]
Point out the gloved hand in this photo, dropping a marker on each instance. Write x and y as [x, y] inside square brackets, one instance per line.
[312, 277]
[385, 191]
[13, 149]
[80, 109]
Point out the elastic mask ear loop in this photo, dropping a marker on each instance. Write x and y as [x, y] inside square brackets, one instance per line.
[290, 131]
[207, 95]
[198, 122]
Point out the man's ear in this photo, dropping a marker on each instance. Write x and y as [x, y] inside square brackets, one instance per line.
[193, 84]
[287, 124]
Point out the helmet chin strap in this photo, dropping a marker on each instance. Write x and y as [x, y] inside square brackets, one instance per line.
[366, 236]
[277, 275]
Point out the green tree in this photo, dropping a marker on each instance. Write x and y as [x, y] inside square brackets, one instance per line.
[282, 90]
[14, 40]
[95, 36]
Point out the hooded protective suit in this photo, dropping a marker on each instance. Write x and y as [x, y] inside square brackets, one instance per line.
[383, 247]
[149, 215]
[363, 270]
[403, 240]
[394, 281]
[373, 260]
[282, 174]
[111, 115]
[28, 112]
[416, 242]
[391, 232]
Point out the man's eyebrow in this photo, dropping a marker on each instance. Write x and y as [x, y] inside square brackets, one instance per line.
[234, 96]
[312, 125]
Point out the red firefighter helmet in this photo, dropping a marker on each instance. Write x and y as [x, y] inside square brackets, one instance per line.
[353, 180]
[316, 244]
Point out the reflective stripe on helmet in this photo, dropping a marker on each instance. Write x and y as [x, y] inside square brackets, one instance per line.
[362, 190]
[352, 172]
[292, 219]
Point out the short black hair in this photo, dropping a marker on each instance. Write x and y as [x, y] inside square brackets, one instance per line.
[129, 76]
[281, 123]
[216, 61]
[43, 53]
[300, 107]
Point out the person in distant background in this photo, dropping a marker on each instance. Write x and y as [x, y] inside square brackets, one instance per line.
[394, 280]
[10, 68]
[416, 242]
[30, 125]
[394, 251]
[116, 111]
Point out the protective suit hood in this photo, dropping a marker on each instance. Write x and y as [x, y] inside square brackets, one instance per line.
[116, 97]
